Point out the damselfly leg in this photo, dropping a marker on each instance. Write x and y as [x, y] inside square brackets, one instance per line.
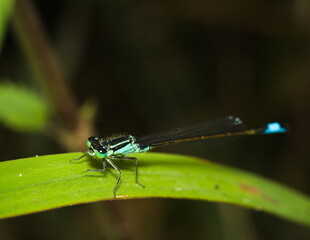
[136, 164]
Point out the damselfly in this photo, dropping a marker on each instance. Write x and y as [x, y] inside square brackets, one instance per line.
[213, 132]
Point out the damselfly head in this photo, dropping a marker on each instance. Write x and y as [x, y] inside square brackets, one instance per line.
[95, 148]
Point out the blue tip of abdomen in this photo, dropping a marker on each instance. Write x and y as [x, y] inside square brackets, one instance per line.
[275, 127]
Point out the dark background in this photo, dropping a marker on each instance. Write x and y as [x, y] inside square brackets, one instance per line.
[154, 65]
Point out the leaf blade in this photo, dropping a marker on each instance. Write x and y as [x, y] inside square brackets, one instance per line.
[47, 182]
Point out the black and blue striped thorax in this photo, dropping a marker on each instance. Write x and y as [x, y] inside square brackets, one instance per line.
[114, 145]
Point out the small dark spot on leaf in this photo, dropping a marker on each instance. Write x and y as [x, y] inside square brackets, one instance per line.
[216, 187]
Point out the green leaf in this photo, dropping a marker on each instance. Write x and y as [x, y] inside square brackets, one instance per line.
[21, 109]
[40, 183]
[6, 7]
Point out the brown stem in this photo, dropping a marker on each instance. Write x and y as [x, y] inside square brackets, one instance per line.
[43, 62]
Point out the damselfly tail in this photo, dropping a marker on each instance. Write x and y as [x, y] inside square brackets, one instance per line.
[215, 132]
[273, 128]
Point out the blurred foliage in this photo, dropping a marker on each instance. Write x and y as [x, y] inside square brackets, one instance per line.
[5, 11]
[21, 109]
